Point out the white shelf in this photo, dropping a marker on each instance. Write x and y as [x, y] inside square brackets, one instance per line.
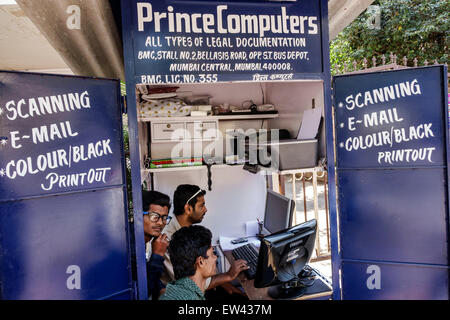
[222, 118]
[187, 168]
[190, 168]
[293, 171]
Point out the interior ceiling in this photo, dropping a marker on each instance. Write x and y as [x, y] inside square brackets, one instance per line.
[34, 36]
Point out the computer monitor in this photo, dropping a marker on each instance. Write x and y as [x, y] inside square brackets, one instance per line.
[282, 258]
[278, 213]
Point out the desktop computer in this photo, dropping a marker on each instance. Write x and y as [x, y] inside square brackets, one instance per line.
[278, 214]
[281, 260]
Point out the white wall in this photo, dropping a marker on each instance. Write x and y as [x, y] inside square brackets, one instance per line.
[291, 99]
[237, 196]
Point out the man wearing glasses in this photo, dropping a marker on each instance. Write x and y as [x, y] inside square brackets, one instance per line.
[189, 208]
[156, 207]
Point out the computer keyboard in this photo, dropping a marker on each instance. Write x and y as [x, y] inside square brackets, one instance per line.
[248, 253]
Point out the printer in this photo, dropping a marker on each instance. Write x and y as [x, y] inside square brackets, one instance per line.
[286, 153]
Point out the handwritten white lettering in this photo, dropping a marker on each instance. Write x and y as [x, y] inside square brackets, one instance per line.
[47, 105]
[385, 94]
[57, 158]
[226, 23]
[74, 179]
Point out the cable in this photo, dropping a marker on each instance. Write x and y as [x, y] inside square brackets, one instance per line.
[262, 91]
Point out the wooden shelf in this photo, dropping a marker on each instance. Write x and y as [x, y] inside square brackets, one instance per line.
[219, 117]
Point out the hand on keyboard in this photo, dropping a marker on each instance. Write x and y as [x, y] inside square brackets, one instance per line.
[248, 253]
[237, 267]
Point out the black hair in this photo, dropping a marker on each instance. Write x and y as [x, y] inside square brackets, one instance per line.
[187, 244]
[154, 197]
[182, 194]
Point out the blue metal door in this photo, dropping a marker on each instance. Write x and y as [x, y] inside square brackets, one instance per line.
[391, 140]
[63, 215]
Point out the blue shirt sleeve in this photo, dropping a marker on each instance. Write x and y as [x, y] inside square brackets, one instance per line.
[154, 272]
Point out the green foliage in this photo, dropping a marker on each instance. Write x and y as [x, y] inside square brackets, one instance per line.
[126, 146]
[340, 53]
[409, 28]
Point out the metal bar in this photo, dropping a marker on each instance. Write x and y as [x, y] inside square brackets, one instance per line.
[294, 197]
[304, 198]
[149, 139]
[152, 181]
[376, 69]
[316, 212]
[275, 183]
[282, 184]
[325, 186]
[269, 183]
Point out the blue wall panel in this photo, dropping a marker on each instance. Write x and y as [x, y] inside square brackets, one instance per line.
[393, 215]
[397, 282]
[42, 237]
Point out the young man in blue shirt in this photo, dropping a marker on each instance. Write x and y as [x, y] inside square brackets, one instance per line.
[156, 206]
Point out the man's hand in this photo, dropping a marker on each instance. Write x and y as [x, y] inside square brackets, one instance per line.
[237, 267]
[160, 244]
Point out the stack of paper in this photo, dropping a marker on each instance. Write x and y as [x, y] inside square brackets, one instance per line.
[225, 243]
[310, 124]
[176, 162]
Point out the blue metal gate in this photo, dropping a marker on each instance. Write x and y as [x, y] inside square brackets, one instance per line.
[63, 215]
[392, 175]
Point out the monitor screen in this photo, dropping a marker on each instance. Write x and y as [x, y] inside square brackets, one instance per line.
[282, 258]
[278, 213]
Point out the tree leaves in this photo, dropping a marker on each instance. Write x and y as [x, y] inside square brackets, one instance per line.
[412, 28]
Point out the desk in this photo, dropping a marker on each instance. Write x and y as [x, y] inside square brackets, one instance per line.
[319, 291]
